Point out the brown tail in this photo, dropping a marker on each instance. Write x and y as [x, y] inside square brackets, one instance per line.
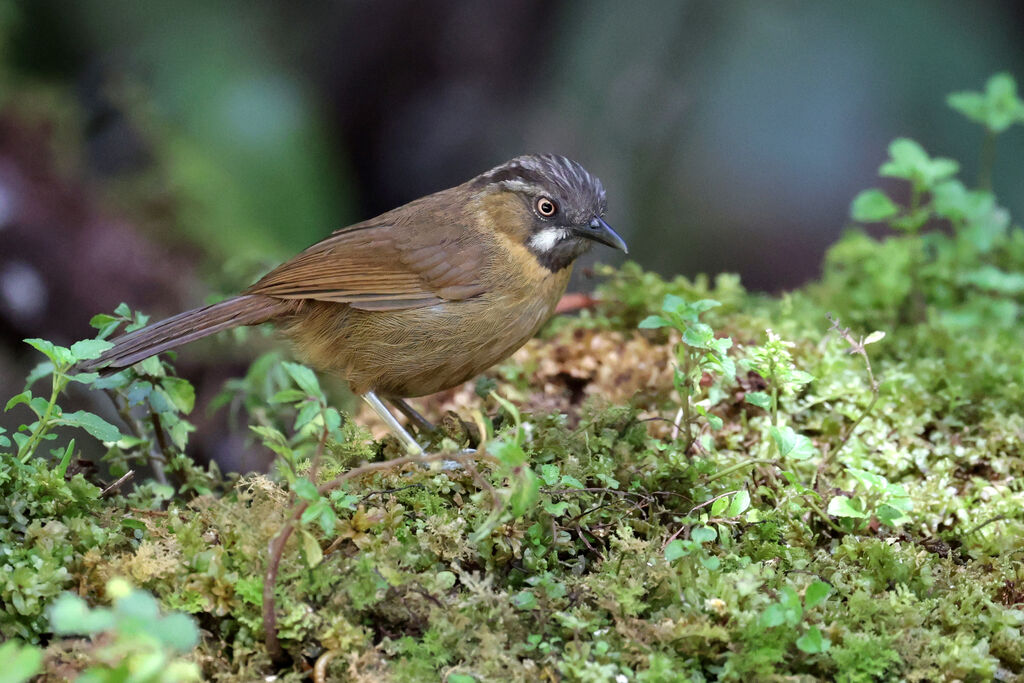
[186, 327]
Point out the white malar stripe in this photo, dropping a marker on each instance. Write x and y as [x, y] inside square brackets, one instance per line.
[546, 239]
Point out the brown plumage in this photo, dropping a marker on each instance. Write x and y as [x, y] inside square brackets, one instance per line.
[425, 296]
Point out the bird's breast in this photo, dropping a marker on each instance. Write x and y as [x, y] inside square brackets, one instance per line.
[421, 351]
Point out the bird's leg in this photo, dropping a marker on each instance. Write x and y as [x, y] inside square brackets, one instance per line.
[423, 425]
[393, 424]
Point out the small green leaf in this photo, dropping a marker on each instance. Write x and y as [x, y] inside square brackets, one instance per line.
[549, 474]
[151, 367]
[874, 337]
[740, 503]
[556, 509]
[676, 549]
[816, 594]
[179, 431]
[890, 515]
[719, 506]
[909, 161]
[307, 413]
[841, 506]
[572, 482]
[40, 371]
[525, 600]
[484, 386]
[94, 424]
[714, 421]
[312, 513]
[698, 335]
[65, 459]
[711, 563]
[508, 407]
[332, 420]
[785, 439]
[343, 500]
[773, 615]
[460, 678]
[178, 631]
[997, 108]
[105, 323]
[18, 399]
[870, 480]
[524, 493]
[813, 642]
[70, 615]
[798, 378]
[674, 304]
[445, 580]
[87, 349]
[792, 445]
[44, 347]
[990, 278]
[871, 206]
[327, 519]
[305, 489]
[508, 452]
[288, 396]
[790, 601]
[83, 377]
[20, 661]
[311, 549]
[304, 377]
[181, 393]
[38, 404]
[160, 401]
[760, 399]
[653, 322]
[703, 534]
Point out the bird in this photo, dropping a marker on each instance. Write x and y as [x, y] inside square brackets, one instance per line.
[423, 297]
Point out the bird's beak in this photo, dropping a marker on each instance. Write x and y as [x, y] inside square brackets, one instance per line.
[599, 231]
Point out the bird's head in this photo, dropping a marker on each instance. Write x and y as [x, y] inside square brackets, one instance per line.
[552, 204]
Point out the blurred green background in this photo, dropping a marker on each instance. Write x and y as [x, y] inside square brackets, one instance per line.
[159, 152]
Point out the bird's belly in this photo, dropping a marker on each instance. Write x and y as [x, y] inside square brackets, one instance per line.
[418, 351]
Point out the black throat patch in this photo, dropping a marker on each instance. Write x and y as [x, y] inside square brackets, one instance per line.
[561, 254]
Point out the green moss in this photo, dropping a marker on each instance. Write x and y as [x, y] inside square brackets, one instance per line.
[804, 502]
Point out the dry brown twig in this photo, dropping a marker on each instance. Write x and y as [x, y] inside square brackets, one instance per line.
[856, 347]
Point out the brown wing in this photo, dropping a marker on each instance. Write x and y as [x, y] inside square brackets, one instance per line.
[382, 267]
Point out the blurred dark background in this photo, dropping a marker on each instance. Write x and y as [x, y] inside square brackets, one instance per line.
[156, 152]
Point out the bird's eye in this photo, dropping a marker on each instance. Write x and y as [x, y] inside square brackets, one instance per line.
[546, 207]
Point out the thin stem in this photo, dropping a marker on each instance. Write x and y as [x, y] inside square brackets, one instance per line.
[687, 424]
[275, 551]
[692, 510]
[853, 427]
[314, 466]
[136, 425]
[125, 478]
[824, 517]
[856, 347]
[42, 426]
[915, 197]
[987, 161]
[740, 465]
[157, 463]
[775, 403]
